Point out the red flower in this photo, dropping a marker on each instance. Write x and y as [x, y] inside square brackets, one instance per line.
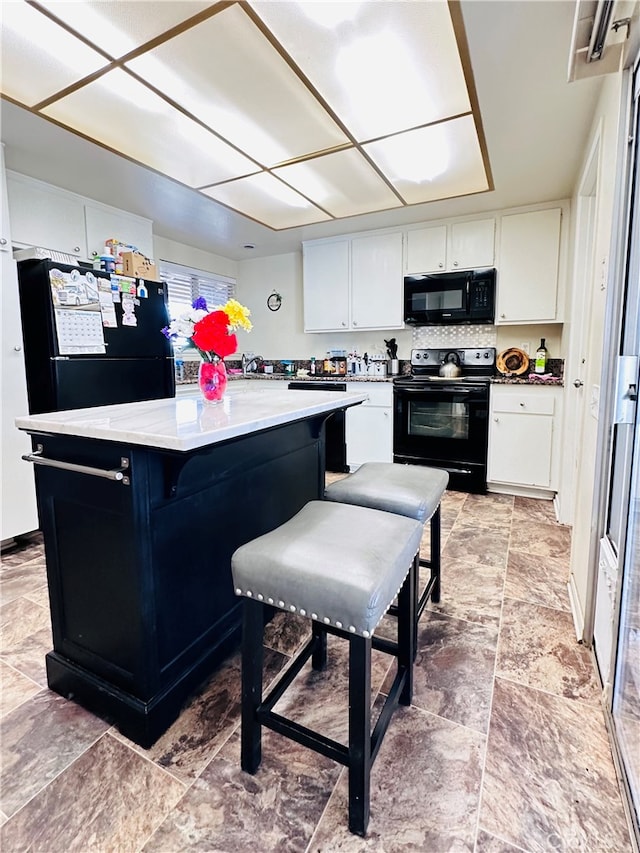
[211, 334]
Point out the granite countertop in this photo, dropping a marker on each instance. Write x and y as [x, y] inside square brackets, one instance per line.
[531, 380]
[186, 423]
[292, 377]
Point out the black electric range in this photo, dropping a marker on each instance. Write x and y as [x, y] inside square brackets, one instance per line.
[443, 422]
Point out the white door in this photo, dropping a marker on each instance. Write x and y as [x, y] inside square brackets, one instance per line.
[19, 512]
[623, 501]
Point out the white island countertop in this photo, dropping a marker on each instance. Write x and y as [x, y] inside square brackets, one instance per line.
[186, 423]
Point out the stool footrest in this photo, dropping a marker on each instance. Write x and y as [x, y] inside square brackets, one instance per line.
[279, 688]
[304, 736]
[332, 749]
[386, 713]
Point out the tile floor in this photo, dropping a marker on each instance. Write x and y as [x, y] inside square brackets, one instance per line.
[503, 749]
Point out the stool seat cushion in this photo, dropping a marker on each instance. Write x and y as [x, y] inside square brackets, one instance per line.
[411, 490]
[338, 564]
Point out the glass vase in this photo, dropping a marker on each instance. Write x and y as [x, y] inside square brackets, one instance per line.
[212, 380]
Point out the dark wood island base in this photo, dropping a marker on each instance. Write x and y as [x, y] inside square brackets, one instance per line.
[142, 604]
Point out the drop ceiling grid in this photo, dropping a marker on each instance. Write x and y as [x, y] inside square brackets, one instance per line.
[286, 82]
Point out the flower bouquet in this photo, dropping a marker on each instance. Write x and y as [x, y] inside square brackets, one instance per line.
[212, 334]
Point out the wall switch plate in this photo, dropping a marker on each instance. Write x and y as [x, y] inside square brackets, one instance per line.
[526, 347]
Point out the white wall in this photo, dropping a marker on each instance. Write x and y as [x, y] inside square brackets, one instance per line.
[178, 253]
[279, 334]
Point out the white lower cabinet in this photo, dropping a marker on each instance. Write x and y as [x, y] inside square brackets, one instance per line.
[523, 431]
[369, 426]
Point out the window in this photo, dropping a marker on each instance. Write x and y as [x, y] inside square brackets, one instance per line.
[185, 284]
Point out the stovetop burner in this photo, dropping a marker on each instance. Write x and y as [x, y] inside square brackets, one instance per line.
[475, 364]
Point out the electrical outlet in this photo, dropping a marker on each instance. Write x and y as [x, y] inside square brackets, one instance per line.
[526, 347]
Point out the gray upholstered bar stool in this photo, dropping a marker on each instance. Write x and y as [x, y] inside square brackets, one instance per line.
[411, 490]
[341, 567]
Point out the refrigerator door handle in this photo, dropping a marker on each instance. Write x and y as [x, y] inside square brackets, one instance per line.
[117, 474]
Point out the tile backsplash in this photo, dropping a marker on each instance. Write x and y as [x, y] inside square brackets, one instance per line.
[434, 337]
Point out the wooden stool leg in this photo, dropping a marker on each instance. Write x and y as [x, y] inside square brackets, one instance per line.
[359, 733]
[252, 658]
[435, 555]
[407, 630]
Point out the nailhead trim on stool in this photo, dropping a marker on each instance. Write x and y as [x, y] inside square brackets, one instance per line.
[414, 491]
[343, 565]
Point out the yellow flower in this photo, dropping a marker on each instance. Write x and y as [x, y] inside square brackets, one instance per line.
[238, 315]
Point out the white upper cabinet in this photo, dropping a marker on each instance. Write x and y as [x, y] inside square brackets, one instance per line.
[459, 245]
[104, 222]
[528, 264]
[426, 250]
[42, 215]
[471, 244]
[376, 282]
[353, 284]
[326, 286]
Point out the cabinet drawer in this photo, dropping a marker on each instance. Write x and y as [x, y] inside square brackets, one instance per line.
[532, 404]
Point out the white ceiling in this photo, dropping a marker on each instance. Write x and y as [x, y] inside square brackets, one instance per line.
[535, 124]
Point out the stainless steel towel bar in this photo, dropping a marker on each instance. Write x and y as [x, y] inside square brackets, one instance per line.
[117, 474]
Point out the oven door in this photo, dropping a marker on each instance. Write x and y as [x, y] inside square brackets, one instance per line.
[444, 427]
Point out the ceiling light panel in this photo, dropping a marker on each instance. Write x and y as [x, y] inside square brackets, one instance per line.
[266, 199]
[384, 67]
[227, 74]
[39, 57]
[122, 113]
[343, 183]
[441, 161]
[125, 25]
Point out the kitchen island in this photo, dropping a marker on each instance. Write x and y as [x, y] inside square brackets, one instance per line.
[141, 507]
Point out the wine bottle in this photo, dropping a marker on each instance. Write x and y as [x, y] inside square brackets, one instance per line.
[541, 358]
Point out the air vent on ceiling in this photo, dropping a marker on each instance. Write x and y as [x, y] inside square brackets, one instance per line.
[600, 41]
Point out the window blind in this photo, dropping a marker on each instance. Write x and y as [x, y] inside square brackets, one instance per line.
[185, 284]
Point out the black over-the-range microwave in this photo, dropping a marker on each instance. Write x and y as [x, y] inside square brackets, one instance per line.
[445, 298]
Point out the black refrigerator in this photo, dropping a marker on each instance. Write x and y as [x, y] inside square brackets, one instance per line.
[92, 338]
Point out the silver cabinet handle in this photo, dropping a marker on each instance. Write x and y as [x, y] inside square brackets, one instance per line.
[578, 383]
[3, 241]
[113, 474]
[17, 348]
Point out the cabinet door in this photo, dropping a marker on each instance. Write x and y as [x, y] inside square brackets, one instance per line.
[19, 511]
[369, 434]
[521, 436]
[426, 250]
[42, 215]
[520, 449]
[471, 244]
[528, 266]
[326, 286]
[104, 223]
[376, 282]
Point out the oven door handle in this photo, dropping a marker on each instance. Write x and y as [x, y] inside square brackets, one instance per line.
[436, 390]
